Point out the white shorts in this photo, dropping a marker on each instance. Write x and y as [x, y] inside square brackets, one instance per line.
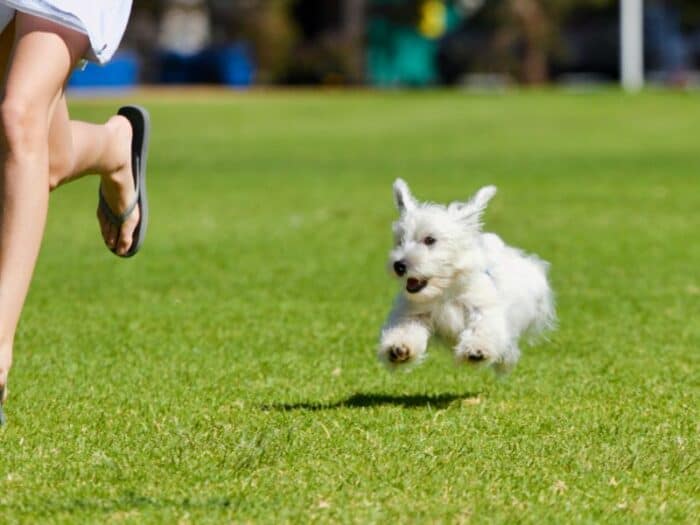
[103, 21]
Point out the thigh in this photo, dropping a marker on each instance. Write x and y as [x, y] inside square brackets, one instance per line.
[43, 56]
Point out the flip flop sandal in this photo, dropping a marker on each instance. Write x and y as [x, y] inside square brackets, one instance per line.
[141, 128]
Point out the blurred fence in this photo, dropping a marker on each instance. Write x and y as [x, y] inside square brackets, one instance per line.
[397, 42]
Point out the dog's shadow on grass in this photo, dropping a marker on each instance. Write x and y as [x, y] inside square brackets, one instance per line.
[368, 400]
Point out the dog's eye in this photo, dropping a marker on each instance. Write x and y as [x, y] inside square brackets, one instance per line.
[429, 241]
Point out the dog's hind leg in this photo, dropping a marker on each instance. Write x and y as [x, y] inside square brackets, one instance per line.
[508, 359]
[486, 340]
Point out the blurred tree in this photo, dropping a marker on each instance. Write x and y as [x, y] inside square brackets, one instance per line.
[331, 45]
[299, 41]
[528, 33]
[690, 11]
[537, 23]
[542, 21]
[266, 25]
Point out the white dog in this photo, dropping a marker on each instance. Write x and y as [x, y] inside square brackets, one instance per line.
[466, 286]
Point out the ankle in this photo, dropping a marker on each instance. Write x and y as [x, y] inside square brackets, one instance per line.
[119, 147]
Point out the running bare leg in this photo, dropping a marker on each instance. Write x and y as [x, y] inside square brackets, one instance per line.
[44, 54]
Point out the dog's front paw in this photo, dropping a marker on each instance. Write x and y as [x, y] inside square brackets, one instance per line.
[403, 345]
[396, 354]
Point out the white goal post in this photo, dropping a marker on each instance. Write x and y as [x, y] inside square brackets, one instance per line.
[632, 44]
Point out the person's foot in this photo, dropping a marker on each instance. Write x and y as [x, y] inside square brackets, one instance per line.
[118, 189]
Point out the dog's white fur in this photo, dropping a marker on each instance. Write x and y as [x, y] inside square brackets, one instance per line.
[478, 294]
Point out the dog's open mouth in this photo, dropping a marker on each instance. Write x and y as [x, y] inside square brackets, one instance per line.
[414, 285]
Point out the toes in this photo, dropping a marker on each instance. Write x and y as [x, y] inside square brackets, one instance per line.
[126, 235]
[109, 232]
[124, 243]
[118, 238]
[112, 236]
[105, 232]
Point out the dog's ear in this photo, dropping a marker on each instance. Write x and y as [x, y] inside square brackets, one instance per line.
[471, 211]
[402, 196]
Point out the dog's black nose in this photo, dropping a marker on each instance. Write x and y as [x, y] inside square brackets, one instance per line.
[400, 268]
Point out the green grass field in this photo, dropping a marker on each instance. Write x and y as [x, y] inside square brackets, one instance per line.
[227, 374]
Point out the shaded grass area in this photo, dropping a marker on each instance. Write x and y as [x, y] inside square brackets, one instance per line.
[227, 373]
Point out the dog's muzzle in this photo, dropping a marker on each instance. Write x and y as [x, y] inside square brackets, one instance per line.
[414, 285]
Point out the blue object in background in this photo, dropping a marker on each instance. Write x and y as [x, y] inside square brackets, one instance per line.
[230, 65]
[236, 66]
[178, 68]
[121, 72]
[666, 44]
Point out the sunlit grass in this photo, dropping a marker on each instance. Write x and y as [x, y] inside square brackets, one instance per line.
[227, 373]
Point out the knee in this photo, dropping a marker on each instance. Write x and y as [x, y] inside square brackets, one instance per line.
[22, 126]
